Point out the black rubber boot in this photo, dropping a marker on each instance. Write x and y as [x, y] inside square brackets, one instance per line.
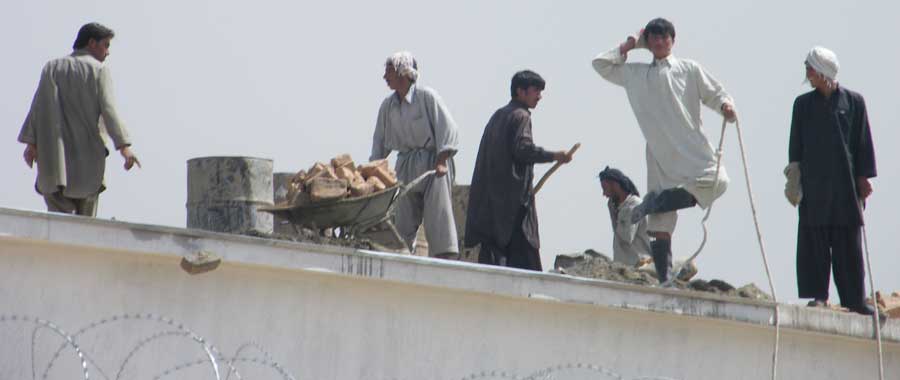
[667, 200]
[662, 258]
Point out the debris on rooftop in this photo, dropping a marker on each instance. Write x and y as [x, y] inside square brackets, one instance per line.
[593, 264]
[890, 305]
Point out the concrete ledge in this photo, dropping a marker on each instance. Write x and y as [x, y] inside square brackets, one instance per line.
[139, 239]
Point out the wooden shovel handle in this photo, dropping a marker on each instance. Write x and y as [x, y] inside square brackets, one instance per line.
[553, 169]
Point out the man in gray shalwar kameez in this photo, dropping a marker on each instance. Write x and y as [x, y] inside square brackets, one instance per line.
[414, 121]
[64, 130]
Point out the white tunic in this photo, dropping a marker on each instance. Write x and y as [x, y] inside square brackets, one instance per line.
[665, 96]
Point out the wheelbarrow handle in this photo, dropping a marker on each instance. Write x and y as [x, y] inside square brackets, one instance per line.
[407, 187]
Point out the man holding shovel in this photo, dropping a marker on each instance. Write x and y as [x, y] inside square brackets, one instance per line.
[502, 216]
[665, 96]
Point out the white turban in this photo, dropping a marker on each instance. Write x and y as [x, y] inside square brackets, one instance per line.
[824, 61]
[405, 64]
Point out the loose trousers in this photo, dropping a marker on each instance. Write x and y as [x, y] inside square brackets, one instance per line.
[519, 253]
[819, 249]
[57, 202]
[429, 202]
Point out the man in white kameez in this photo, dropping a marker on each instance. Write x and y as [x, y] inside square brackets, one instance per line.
[665, 96]
[65, 131]
[414, 121]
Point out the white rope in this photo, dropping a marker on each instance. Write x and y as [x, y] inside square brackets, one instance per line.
[759, 239]
[875, 318]
[762, 250]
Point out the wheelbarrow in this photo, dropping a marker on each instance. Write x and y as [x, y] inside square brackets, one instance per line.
[351, 215]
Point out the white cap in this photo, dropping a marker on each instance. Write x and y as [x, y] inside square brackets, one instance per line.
[824, 61]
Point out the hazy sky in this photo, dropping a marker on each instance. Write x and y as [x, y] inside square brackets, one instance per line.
[300, 81]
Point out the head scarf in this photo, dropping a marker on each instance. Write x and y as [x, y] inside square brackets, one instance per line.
[824, 61]
[616, 175]
[405, 64]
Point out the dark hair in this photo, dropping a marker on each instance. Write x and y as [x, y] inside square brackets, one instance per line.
[525, 79]
[659, 26]
[616, 175]
[92, 31]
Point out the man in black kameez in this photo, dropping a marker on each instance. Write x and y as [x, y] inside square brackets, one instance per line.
[831, 146]
[502, 216]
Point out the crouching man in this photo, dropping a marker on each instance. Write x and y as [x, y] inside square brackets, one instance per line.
[631, 244]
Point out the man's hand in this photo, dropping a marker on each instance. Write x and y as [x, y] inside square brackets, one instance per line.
[441, 169]
[633, 42]
[440, 166]
[562, 157]
[863, 187]
[130, 158]
[30, 154]
[729, 113]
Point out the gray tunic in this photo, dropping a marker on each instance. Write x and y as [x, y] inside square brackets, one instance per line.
[73, 98]
[630, 240]
[419, 126]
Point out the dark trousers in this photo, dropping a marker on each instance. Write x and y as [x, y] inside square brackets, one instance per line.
[519, 253]
[823, 247]
[671, 200]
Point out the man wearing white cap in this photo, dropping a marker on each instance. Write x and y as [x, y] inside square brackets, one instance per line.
[831, 152]
[414, 121]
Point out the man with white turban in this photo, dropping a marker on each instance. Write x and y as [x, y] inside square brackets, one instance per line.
[831, 152]
[414, 121]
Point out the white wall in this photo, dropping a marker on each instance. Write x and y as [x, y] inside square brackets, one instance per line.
[326, 325]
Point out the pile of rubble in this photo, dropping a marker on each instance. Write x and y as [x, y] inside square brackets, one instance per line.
[592, 264]
[890, 305]
[339, 179]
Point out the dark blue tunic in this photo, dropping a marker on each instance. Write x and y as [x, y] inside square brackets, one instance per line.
[833, 143]
[501, 190]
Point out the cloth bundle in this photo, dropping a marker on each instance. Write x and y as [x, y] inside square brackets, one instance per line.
[793, 190]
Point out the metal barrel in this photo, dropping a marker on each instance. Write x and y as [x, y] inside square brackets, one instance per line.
[224, 194]
[281, 182]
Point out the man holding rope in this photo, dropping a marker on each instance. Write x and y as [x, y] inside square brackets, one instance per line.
[831, 160]
[665, 96]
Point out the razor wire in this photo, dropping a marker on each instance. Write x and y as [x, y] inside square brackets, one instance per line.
[212, 355]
